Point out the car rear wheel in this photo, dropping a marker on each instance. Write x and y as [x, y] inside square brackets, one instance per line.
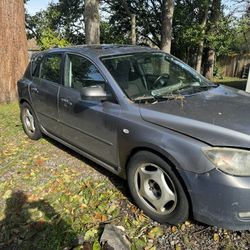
[156, 189]
[30, 122]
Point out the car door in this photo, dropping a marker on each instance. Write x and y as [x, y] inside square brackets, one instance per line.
[44, 90]
[90, 125]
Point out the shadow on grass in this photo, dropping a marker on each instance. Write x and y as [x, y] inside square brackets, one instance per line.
[235, 84]
[33, 225]
[118, 182]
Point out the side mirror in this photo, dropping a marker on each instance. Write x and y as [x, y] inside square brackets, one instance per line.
[95, 93]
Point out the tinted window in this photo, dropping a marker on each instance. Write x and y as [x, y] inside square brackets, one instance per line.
[50, 68]
[35, 65]
[80, 72]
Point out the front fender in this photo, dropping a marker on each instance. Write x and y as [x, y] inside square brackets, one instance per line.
[182, 151]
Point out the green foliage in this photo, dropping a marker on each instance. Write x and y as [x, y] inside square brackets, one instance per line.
[50, 39]
[65, 18]
[63, 23]
[109, 36]
[148, 19]
[221, 36]
[242, 36]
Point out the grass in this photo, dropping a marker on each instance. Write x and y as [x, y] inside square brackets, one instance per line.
[53, 198]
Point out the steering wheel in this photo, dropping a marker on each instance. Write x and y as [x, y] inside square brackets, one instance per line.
[158, 83]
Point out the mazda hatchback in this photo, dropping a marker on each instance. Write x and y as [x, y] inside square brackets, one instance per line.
[182, 142]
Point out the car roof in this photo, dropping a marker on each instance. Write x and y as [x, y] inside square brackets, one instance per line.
[104, 49]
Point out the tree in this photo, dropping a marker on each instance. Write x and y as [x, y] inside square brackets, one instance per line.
[149, 17]
[203, 30]
[51, 39]
[216, 12]
[14, 56]
[166, 26]
[242, 39]
[92, 22]
[133, 20]
[64, 18]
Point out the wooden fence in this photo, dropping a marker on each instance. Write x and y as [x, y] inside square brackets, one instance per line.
[234, 65]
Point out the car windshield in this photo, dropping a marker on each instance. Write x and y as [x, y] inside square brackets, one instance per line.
[154, 75]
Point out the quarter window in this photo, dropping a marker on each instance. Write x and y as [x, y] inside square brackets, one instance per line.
[50, 68]
[35, 65]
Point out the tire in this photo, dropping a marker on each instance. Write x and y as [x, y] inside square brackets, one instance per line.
[29, 122]
[156, 175]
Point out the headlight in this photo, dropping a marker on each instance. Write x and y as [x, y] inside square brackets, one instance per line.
[229, 160]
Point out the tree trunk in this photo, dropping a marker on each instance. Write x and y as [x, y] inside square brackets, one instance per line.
[133, 21]
[14, 50]
[166, 30]
[201, 43]
[199, 56]
[210, 57]
[133, 29]
[92, 22]
[209, 65]
[215, 11]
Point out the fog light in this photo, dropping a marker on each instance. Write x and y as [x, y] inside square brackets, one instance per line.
[244, 215]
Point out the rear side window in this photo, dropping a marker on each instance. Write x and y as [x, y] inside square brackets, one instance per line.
[50, 68]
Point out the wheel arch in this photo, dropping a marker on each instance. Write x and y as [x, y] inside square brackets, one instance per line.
[159, 152]
[23, 100]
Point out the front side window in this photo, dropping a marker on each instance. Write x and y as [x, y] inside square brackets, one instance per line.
[154, 75]
[50, 68]
[80, 73]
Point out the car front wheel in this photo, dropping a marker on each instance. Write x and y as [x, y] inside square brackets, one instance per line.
[30, 122]
[156, 189]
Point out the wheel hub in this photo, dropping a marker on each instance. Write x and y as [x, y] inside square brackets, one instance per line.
[156, 189]
[29, 121]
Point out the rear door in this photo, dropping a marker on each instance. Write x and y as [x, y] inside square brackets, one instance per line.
[44, 91]
[91, 125]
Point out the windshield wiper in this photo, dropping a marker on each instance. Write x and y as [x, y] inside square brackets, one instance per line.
[195, 87]
[143, 98]
[206, 86]
[168, 97]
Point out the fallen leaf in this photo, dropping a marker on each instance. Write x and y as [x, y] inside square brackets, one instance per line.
[177, 247]
[96, 245]
[216, 237]
[155, 232]
[90, 234]
[173, 229]
[111, 209]
[7, 194]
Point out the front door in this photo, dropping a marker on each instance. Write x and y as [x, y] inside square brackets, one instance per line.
[90, 125]
[44, 91]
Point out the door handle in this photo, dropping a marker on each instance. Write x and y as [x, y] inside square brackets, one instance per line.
[66, 101]
[35, 90]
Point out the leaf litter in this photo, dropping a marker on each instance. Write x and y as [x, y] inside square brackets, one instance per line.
[52, 198]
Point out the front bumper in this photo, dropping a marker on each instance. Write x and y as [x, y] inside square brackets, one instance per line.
[219, 199]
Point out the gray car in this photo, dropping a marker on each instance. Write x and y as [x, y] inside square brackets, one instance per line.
[181, 141]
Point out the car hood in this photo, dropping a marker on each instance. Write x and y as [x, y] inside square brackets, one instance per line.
[219, 116]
